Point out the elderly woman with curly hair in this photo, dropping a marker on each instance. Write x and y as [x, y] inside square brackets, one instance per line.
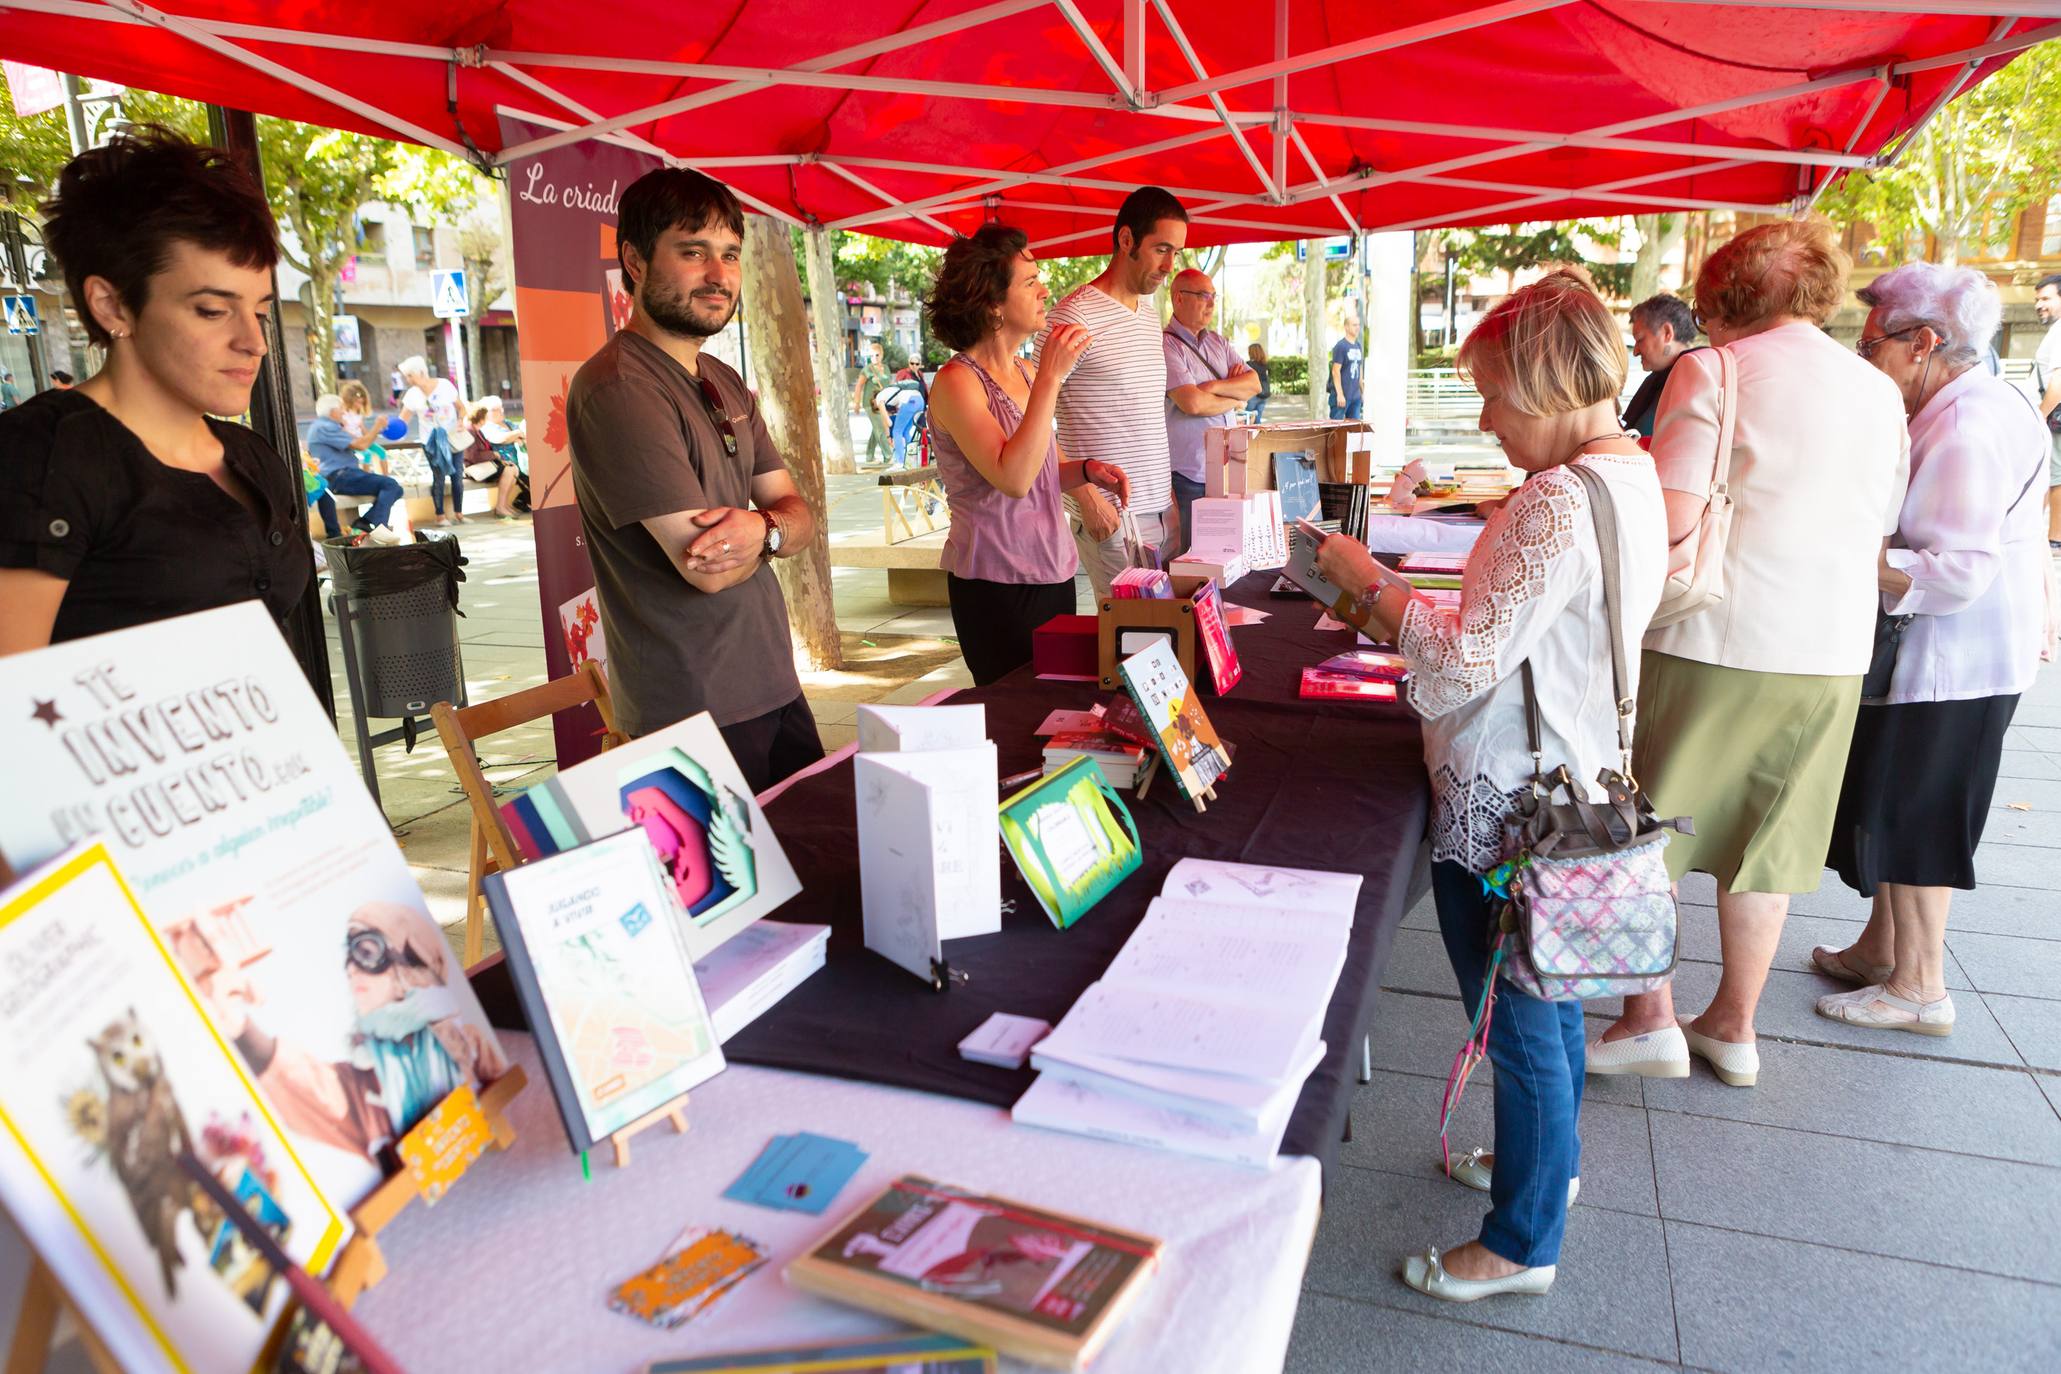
[1010, 559]
[1747, 706]
[1967, 566]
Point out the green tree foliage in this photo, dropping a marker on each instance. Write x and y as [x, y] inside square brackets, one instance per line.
[1983, 158]
[1513, 248]
[316, 180]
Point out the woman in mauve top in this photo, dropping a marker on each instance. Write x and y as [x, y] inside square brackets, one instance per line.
[1009, 560]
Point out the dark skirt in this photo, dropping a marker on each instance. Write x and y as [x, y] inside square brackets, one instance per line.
[994, 621]
[1919, 778]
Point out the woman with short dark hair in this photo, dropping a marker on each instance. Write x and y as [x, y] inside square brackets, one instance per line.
[121, 500]
[1009, 560]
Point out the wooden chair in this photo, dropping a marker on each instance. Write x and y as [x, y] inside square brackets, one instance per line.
[492, 847]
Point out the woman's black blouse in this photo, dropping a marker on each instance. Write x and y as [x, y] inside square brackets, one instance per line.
[138, 541]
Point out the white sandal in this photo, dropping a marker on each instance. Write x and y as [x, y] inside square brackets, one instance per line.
[1878, 1009]
[1428, 1276]
[1655, 1054]
[1831, 961]
[1476, 1170]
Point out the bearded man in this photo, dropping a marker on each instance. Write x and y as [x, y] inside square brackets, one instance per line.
[683, 498]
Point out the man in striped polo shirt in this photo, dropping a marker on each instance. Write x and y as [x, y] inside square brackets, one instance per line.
[1113, 406]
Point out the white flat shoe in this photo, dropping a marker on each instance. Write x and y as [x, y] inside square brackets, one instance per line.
[1428, 1276]
[1878, 1009]
[1656, 1054]
[1733, 1063]
[1476, 1169]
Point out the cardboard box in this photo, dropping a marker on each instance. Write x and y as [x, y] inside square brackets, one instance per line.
[1239, 458]
[1126, 626]
[1064, 646]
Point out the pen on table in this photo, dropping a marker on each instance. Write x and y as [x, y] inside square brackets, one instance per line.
[1019, 779]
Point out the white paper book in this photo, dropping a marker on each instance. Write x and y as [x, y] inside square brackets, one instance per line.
[917, 729]
[1287, 966]
[1410, 534]
[1004, 1040]
[1058, 1105]
[928, 849]
[1298, 889]
[757, 967]
[1151, 1025]
[1252, 915]
[1244, 1102]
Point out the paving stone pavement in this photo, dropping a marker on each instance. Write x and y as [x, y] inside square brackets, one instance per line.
[1878, 1201]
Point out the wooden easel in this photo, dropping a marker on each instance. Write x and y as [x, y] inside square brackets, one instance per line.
[671, 1111]
[42, 1300]
[361, 1265]
[1152, 769]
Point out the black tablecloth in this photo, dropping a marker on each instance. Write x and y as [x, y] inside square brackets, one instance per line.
[1328, 786]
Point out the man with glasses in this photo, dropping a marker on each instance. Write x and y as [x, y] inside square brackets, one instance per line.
[683, 498]
[1663, 329]
[1112, 405]
[1205, 385]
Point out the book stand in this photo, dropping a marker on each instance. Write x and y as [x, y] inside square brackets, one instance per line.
[361, 1265]
[41, 1300]
[669, 1112]
[1151, 770]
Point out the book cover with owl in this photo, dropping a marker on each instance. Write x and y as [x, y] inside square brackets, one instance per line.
[195, 751]
[110, 1073]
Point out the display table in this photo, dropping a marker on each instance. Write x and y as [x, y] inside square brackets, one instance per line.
[1331, 786]
[512, 1269]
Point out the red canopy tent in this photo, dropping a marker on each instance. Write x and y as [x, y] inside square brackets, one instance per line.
[916, 119]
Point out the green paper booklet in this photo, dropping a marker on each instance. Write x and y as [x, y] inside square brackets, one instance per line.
[1071, 838]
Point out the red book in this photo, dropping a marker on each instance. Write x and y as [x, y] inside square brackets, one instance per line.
[1320, 685]
[1224, 668]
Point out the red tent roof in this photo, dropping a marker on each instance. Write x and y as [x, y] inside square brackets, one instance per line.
[912, 118]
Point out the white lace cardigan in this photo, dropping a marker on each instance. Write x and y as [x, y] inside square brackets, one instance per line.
[1533, 589]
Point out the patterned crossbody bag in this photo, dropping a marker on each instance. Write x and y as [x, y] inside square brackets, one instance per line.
[1585, 907]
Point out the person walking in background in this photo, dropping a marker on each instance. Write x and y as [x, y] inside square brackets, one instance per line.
[866, 396]
[1549, 363]
[1112, 406]
[10, 396]
[336, 459]
[1346, 362]
[1663, 329]
[1009, 559]
[1256, 359]
[432, 402]
[1746, 707]
[124, 501]
[2046, 374]
[1968, 566]
[684, 500]
[1205, 387]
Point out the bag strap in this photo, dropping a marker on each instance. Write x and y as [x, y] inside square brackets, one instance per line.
[1728, 415]
[1182, 339]
[1603, 512]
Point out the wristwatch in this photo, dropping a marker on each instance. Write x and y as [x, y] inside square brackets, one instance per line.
[772, 534]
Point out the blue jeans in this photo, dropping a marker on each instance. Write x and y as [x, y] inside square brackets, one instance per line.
[1348, 411]
[1537, 1048]
[903, 430]
[326, 504]
[384, 491]
[1186, 489]
[443, 464]
[1258, 405]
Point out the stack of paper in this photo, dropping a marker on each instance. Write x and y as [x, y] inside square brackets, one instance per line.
[1118, 758]
[1199, 1036]
[755, 968]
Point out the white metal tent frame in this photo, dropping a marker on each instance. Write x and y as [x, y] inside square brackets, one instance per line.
[1212, 118]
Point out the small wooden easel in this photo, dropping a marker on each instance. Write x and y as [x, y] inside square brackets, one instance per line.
[1152, 769]
[671, 1111]
[361, 1265]
[41, 1301]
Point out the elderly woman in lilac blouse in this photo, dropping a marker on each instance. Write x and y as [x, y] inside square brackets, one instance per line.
[1966, 574]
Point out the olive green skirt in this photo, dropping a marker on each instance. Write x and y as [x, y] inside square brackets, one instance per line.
[1756, 760]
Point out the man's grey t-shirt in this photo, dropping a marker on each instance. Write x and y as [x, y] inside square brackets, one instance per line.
[644, 445]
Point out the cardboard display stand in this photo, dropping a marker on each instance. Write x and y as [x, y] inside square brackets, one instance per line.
[1127, 623]
[1240, 458]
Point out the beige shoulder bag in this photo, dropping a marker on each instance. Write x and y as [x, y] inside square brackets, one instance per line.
[1696, 562]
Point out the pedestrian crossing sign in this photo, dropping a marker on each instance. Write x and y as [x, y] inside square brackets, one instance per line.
[21, 315]
[449, 295]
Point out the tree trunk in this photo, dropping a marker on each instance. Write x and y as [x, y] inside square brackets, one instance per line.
[777, 338]
[321, 330]
[831, 387]
[1658, 234]
[1313, 323]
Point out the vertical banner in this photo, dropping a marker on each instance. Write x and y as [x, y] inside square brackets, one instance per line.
[569, 300]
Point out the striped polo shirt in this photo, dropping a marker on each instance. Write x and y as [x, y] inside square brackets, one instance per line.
[1113, 407]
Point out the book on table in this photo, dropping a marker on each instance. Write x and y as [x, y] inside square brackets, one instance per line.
[919, 1352]
[755, 969]
[1167, 701]
[1072, 839]
[1117, 756]
[1042, 1286]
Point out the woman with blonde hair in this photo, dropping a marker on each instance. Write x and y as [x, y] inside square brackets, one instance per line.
[1549, 364]
[357, 416]
[1746, 707]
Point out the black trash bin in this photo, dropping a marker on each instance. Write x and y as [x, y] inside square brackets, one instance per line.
[397, 614]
